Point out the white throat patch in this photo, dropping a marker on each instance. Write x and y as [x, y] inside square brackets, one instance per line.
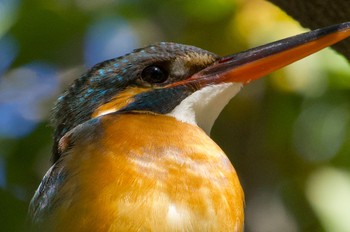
[204, 106]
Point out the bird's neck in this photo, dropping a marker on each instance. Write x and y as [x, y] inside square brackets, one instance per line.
[202, 107]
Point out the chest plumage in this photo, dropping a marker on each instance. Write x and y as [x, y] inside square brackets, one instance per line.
[144, 172]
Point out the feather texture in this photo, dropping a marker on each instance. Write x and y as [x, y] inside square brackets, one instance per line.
[142, 172]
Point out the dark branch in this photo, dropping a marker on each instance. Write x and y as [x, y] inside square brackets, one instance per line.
[316, 14]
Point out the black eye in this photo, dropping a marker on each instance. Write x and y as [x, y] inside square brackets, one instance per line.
[154, 74]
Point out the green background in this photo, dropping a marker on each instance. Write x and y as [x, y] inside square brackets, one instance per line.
[287, 134]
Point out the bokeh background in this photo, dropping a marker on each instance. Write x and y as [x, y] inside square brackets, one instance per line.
[288, 135]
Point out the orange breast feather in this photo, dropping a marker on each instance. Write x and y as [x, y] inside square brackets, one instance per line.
[145, 172]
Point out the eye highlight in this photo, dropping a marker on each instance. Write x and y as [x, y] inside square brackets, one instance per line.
[154, 74]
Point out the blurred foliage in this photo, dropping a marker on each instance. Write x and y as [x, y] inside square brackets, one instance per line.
[287, 135]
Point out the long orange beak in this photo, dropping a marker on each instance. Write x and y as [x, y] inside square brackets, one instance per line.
[257, 62]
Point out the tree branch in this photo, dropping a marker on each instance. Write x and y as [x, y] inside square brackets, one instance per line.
[319, 13]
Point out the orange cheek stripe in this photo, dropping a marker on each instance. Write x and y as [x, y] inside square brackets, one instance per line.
[119, 101]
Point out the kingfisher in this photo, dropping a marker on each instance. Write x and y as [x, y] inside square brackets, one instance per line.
[132, 150]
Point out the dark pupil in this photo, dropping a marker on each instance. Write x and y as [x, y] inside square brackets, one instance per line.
[154, 74]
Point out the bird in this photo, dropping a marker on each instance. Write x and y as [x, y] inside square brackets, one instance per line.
[132, 148]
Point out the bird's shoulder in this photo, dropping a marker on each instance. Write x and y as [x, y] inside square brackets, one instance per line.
[46, 197]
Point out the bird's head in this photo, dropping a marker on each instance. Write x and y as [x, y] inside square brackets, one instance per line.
[188, 83]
